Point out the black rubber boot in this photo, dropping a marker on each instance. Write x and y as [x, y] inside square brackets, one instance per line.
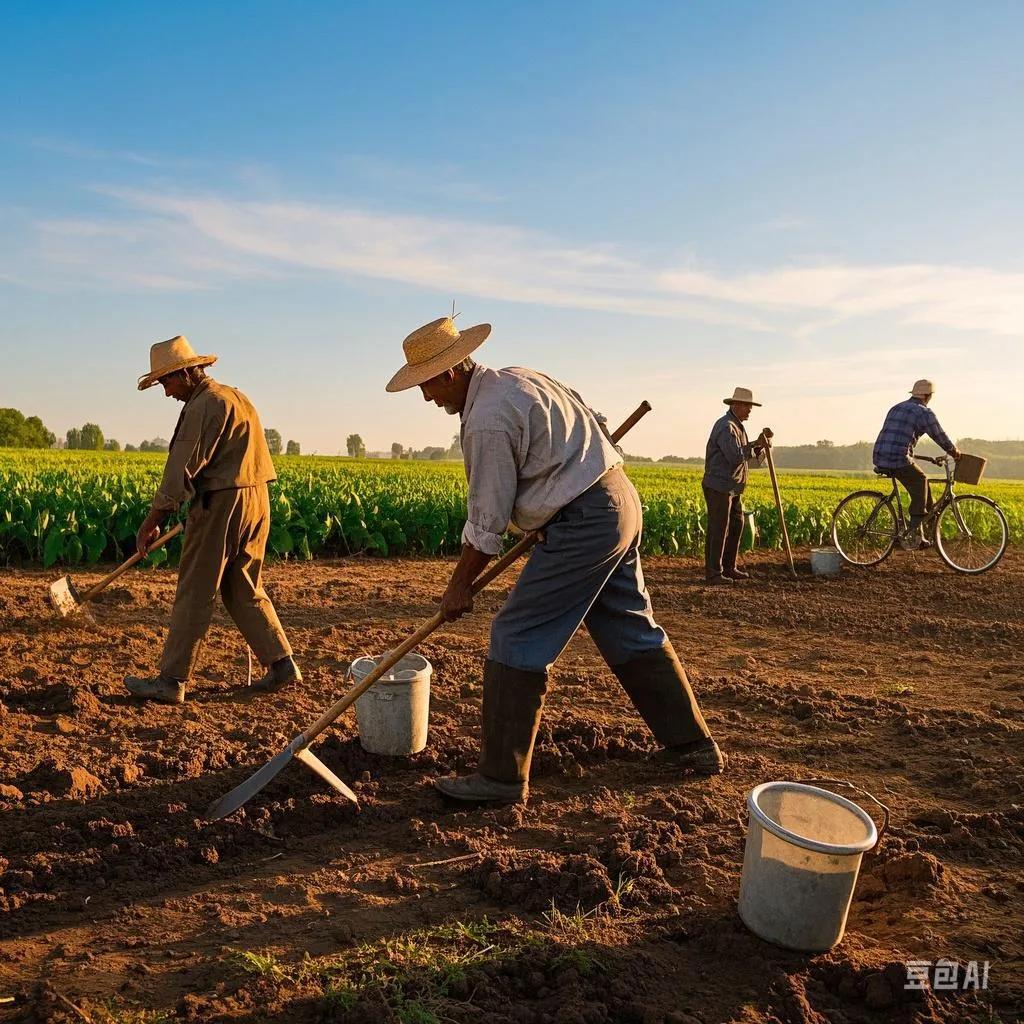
[657, 685]
[513, 700]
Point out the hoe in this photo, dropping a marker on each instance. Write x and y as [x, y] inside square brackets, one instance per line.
[65, 596]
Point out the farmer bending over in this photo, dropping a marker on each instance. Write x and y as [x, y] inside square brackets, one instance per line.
[537, 456]
[219, 462]
[725, 479]
[894, 451]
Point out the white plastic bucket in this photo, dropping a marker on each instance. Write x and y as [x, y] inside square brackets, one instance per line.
[826, 561]
[803, 854]
[392, 715]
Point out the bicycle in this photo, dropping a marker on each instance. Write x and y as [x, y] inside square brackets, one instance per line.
[969, 531]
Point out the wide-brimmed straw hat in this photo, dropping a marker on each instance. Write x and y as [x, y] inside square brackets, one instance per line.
[434, 348]
[741, 395]
[922, 388]
[167, 357]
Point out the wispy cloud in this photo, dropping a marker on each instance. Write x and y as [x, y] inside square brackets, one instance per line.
[442, 180]
[77, 151]
[161, 239]
[968, 298]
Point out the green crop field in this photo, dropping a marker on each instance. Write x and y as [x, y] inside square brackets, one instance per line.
[84, 507]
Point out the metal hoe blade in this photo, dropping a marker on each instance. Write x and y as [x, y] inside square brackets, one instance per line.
[230, 802]
[310, 760]
[64, 597]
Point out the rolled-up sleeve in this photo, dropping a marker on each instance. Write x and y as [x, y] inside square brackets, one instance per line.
[493, 481]
[191, 450]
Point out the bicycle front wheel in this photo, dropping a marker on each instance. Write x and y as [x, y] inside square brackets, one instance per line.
[864, 528]
[971, 534]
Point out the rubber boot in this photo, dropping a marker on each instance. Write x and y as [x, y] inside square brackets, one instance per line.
[513, 700]
[161, 688]
[282, 673]
[657, 685]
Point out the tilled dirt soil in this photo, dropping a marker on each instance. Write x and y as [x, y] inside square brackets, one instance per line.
[610, 897]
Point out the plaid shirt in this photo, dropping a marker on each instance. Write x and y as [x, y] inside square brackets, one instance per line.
[903, 427]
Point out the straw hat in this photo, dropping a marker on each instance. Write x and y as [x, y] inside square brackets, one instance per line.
[923, 389]
[167, 357]
[434, 348]
[741, 395]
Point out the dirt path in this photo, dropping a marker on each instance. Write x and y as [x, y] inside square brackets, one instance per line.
[908, 680]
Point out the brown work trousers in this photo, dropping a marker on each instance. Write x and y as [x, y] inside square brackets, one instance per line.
[225, 544]
[725, 531]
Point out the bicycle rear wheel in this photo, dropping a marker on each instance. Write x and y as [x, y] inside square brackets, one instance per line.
[971, 534]
[864, 528]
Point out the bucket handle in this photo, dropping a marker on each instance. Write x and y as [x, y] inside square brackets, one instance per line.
[863, 792]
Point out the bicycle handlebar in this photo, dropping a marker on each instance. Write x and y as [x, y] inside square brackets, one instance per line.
[941, 461]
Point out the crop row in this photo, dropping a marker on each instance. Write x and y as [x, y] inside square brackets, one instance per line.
[77, 507]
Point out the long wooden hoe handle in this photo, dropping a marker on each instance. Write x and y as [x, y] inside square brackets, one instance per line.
[125, 566]
[766, 436]
[398, 653]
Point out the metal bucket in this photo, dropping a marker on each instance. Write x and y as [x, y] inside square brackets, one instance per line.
[802, 858]
[393, 714]
[826, 561]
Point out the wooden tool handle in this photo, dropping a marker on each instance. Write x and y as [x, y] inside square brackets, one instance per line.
[394, 656]
[781, 510]
[634, 418]
[125, 566]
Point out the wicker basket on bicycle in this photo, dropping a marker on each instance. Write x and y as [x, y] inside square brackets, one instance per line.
[969, 469]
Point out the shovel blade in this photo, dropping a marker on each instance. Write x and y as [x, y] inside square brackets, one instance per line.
[230, 802]
[311, 761]
[64, 597]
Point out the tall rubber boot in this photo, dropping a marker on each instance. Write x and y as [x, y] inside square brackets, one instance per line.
[513, 700]
[657, 685]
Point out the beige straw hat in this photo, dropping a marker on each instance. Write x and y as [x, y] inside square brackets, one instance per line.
[922, 388]
[167, 357]
[741, 395]
[434, 348]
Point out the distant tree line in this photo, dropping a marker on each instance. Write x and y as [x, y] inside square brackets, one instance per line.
[19, 431]
[276, 443]
[432, 453]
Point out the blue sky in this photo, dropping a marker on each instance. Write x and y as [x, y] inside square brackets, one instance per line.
[822, 202]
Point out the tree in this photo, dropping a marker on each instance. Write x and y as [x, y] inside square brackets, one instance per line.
[158, 444]
[18, 432]
[92, 438]
[355, 446]
[396, 450]
[273, 440]
[455, 451]
[74, 437]
[130, 448]
[293, 448]
[111, 445]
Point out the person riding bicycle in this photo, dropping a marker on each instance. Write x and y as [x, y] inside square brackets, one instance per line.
[904, 425]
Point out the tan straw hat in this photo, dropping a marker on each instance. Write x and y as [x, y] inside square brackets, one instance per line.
[434, 348]
[922, 388]
[167, 357]
[741, 395]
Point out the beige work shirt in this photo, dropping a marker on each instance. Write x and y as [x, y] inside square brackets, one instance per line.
[530, 445]
[218, 444]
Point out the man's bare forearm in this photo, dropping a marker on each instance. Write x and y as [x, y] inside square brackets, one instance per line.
[471, 563]
[458, 595]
